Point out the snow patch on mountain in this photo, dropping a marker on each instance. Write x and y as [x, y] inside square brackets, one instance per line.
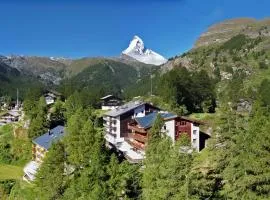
[137, 50]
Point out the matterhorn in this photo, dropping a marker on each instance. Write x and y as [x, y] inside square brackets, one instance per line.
[137, 50]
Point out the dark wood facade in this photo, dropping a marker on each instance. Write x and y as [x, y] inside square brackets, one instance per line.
[138, 136]
[111, 101]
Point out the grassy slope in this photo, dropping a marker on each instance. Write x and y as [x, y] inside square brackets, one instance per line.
[10, 172]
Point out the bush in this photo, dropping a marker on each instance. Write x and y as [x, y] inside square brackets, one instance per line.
[237, 42]
[263, 65]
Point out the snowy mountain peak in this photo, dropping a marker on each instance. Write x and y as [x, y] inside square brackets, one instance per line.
[137, 50]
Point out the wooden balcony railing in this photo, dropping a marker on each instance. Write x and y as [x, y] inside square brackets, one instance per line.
[138, 137]
[135, 128]
[136, 145]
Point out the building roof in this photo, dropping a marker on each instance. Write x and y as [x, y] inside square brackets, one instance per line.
[148, 120]
[14, 113]
[192, 120]
[54, 92]
[125, 108]
[48, 138]
[110, 96]
[50, 95]
[106, 97]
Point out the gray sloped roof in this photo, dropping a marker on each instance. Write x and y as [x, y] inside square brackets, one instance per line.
[125, 108]
[47, 139]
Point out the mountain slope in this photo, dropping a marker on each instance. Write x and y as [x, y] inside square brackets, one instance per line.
[48, 70]
[108, 75]
[12, 79]
[223, 31]
[137, 50]
[238, 62]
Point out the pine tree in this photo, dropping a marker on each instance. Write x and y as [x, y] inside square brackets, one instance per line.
[90, 182]
[206, 176]
[81, 138]
[72, 104]
[166, 167]
[116, 183]
[39, 122]
[247, 174]
[50, 179]
[123, 180]
[57, 116]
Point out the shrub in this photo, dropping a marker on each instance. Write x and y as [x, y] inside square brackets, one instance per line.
[262, 65]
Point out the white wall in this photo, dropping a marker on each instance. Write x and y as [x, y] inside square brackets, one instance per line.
[117, 127]
[195, 137]
[49, 100]
[108, 137]
[170, 129]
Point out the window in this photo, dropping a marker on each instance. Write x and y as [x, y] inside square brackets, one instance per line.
[182, 123]
[194, 132]
[164, 127]
[194, 141]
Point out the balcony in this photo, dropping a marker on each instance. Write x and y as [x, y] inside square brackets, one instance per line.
[135, 128]
[106, 119]
[138, 137]
[110, 138]
[134, 157]
[136, 145]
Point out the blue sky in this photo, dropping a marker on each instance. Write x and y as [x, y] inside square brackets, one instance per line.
[104, 28]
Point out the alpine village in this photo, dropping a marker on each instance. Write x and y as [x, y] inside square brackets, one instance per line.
[139, 126]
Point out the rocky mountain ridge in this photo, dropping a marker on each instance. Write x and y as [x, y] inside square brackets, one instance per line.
[52, 70]
[223, 31]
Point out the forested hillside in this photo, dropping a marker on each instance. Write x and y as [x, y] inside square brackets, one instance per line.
[11, 79]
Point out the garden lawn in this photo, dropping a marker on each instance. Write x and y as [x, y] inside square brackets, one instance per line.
[10, 172]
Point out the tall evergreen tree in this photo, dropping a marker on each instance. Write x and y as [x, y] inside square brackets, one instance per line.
[50, 179]
[90, 181]
[57, 115]
[123, 180]
[166, 167]
[247, 174]
[81, 138]
[206, 176]
[39, 122]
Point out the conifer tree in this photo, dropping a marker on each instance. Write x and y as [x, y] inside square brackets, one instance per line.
[166, 167]
[81, 138]
[50, 179]
[57, 116]
[247, 174]
[206, 176]
[123, 180]
[39, 122]
[90, 181]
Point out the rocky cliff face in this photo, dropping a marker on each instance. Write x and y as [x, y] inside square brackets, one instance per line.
[223, 31]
